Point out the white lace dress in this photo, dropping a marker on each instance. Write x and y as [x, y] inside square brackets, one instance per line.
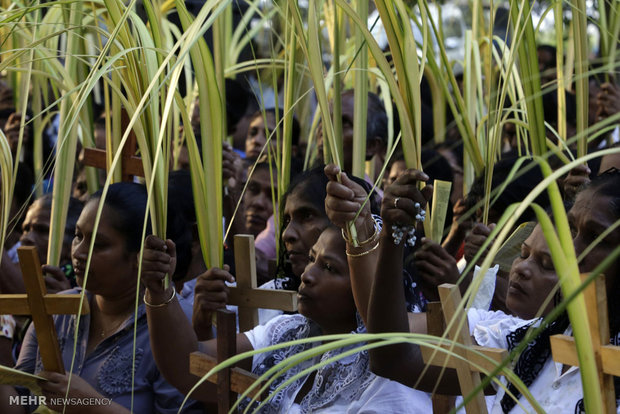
[345, 386]
[555, 391]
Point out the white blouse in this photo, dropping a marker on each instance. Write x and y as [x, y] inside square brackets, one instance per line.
[348, 388]
[556, 392]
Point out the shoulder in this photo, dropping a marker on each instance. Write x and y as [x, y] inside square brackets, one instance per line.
[279, 329]
[489, 328]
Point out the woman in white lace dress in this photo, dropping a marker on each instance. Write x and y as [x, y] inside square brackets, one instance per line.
[557, 388]
[326, 306]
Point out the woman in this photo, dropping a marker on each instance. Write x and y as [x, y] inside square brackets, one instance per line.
[104, 354]
[532, 281]
[262, 130]
[326, 306]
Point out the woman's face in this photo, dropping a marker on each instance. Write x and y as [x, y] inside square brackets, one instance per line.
[112, 267]
[36, 228]
[257, 201]
[303, 224]
[258, 134]
[589, 217]
[325, 292]
[532, 278]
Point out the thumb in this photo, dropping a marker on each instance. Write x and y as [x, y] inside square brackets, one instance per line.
[332, 171]
[171, 248]
[357, 189]
[53, 271]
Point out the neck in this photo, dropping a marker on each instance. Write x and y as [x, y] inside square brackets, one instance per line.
[339, 327]
[116, 305]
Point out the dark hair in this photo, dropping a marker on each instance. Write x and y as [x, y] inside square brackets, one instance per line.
[607, 184]
[22, 192]
[312, 184]
[181, 219]
[520, 185]
[129, 201]
[376, 120]
[552, 51]
[237, 99]
[295, 131]
[73, 212]
[550, 107]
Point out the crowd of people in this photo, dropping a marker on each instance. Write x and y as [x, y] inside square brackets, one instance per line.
[378, 281]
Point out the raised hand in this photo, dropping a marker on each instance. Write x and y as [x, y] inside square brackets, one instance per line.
[344, 200]
[475, 240]
[55, 279]
[210, 294]
[158, 260]
[576, 179]
[435, 266]
[400, 198]
[608, 100]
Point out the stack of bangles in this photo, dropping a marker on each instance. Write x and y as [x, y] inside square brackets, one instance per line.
[365, 247]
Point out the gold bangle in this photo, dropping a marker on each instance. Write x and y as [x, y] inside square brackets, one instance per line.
[150, 305]
[347, 238]
[364, 253]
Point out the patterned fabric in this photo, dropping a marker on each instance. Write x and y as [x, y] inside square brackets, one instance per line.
[108, 367]
[7, 326]
[534, 356]
[342, 381]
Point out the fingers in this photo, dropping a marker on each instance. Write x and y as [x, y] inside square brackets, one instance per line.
[331, 171]
[55, 382]
[158, 260]
[154, 242]
[211, 292]
[339, 190]
[482, 230]
[411, 177]
[213, 274]
[54, 272]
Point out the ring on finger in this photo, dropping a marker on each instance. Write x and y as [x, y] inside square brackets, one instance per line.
[396, 202]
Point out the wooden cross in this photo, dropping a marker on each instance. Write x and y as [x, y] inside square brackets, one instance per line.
[229, 381]
[607, 356]
[246, 295]
[41, 305]
[435, 326]
[467, 369]
[131, 165]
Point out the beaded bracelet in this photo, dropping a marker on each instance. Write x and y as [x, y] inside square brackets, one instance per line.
[150, 305]
[400, 231]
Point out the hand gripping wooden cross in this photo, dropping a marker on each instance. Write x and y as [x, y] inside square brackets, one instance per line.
[246, 295]
[468, 370]
[41, 305]
[230, 381]
[248, 298]
[607, 356]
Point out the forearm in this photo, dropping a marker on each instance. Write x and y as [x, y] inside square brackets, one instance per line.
[6, 392]
[387, 311]
[172, 340]
[362, 267]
